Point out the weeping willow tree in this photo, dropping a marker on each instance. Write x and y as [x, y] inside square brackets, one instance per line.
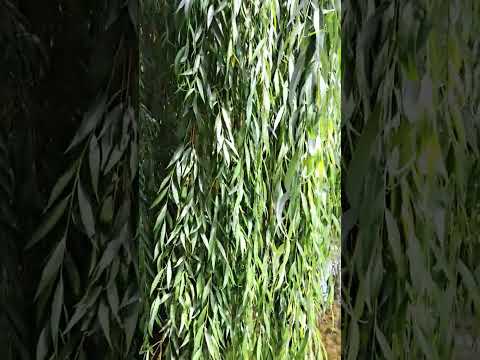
[410, 150]
[246, 216]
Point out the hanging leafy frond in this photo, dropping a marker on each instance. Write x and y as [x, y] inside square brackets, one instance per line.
[87, 299]
[243, 230]
[79, 299]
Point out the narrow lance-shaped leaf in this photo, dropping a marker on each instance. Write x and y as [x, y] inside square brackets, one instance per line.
[94, 162]
[90, 120]
[53, 266]
[61, 185]
[86, 211]
[104, 319]
[57, 306]
[49, 221]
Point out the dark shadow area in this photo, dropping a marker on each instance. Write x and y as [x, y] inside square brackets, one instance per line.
[68, 179]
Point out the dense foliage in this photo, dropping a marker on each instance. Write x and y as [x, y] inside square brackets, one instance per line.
[246, 213]
[410, 149]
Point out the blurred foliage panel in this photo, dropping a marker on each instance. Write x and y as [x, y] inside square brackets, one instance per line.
[68, 180]
[410, 90]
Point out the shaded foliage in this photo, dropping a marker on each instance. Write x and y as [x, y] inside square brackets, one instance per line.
[69, 215]
[409, 140]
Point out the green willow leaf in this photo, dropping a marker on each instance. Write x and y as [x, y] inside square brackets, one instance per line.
[211, 13]
[57, 306]
[49, 221]
[169, 273]
[280, 205]
[52, 267]
[387, 351]
[82, 307]
[104, 319]
[394, 240]
[91, 119]
[111, 251]
[60, 185]
[94, 162]
[42, 345]
[86, 211]
[131, 324]
[113, 299]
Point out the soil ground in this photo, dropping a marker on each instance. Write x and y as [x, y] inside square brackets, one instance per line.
[331, 334]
